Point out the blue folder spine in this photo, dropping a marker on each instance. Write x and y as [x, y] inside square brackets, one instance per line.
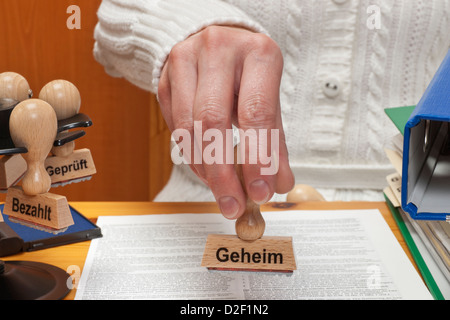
[434, 105]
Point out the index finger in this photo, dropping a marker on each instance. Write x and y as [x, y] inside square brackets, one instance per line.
[213, 109]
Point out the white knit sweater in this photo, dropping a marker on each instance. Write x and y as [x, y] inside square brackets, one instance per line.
[335, 134]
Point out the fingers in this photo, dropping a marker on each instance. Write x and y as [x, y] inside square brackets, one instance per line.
[285, 181]
[223, 76]
[176, 92]
[213, 109]
[259, 116]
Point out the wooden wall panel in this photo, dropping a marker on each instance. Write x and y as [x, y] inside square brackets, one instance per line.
[129, 140]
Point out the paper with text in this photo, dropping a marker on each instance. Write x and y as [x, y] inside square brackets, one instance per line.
[348, 254]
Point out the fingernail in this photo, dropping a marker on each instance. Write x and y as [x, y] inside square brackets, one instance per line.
[229, 207]
[259, 191]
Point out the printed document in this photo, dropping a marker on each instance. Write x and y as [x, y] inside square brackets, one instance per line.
[349, 254]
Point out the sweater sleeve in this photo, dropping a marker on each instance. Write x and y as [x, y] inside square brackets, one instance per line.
[134, 38]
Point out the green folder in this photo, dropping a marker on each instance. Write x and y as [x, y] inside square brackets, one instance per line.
[426, 274]
[399, 116]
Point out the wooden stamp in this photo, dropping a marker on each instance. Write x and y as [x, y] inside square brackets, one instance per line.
[229, 252]
[248, 250]
[76, 167]
[48, 212]
[14, 86]
[66, 165]
[33, 125]
[13, 89]
[12, 169]
[304, 192]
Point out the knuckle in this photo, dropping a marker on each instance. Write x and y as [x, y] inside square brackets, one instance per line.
[183, 122]
[265, 44]
[257, 112]
[180, 53]
[212, 115]
[266, 48]
[212, 36]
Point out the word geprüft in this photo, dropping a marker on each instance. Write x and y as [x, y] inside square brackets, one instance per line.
[62, 170]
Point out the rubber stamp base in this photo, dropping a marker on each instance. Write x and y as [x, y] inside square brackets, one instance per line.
[27, 280]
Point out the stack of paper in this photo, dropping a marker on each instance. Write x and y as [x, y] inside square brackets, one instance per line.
[350, 254]
[431, 237]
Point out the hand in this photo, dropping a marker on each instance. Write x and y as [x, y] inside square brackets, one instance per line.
[222, 76]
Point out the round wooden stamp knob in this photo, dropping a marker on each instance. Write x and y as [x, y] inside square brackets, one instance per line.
[33, 125]
[303, 192]
[251, 225]
[14, 86]
[65, 99]
[63, 96]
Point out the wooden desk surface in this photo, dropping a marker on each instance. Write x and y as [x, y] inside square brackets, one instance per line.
[75, 254]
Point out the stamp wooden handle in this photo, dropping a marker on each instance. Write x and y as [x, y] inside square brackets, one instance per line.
[33, 125]
[251, 225]
[65, 99]
[14, 86]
